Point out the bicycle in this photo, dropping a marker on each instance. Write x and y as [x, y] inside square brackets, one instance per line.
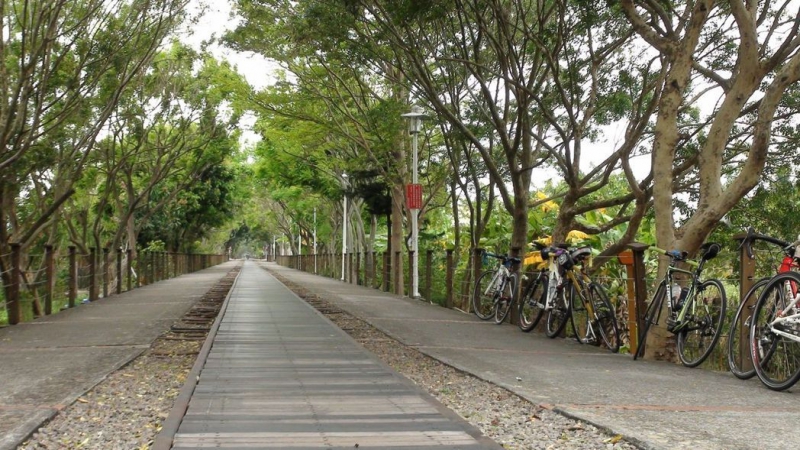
[533, 297]
[775, 329]
[587, 306]
[494, 289]
[740, 362]
[695, 313]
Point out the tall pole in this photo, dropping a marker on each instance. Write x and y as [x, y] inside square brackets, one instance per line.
[414, 124]
[414, 227]
[315, 240]
[344, 233]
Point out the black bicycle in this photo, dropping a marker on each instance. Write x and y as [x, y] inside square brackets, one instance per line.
[695, 313]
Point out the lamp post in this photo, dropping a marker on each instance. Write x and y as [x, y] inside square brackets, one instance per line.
[344, 224]
[315, 240]
[414, 126]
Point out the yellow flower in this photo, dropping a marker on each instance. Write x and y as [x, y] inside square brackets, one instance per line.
[575, 236]
[547, 206]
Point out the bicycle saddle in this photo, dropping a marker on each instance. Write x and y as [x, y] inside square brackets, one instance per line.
[581, 253]
[709, 250]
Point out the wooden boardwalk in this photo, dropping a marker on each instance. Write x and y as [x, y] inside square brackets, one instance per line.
[280, 375]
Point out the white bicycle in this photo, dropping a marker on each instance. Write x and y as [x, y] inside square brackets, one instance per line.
[495, 290]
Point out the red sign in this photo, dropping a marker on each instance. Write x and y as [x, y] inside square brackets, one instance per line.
[414, 196]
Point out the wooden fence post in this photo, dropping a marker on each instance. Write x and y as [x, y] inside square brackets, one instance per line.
[429, 275]
[387, 266]
[448, 301]
[73, 277]
[140, 267]
[153, 272]
[636, 308]
[12, 302]
[92, 274]
[50, 270]
[477, 266]
[398, 274]
[129, 266]
[120, 275]
[350, 267]
[358, 269]
[373, 272]
[105, 272]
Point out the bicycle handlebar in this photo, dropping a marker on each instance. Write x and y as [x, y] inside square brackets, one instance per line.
[675, 255]
[752, 236]
[503, 258]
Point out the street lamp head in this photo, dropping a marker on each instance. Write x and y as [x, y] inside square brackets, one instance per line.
[415, 118]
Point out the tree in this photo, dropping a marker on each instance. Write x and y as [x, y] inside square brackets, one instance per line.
[728, 66]
[359, 106]
[65, 65]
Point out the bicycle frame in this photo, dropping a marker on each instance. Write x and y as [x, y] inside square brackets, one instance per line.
[498, 279]
[695, 280]
[580, 287]
[790, 290]
[573, 279]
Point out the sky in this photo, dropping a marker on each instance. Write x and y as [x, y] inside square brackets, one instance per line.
[217, 20]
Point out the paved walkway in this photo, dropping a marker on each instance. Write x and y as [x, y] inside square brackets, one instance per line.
[656, 404]
[280, 375]
[50, 362]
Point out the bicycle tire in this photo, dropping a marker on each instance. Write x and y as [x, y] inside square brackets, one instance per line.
[579, 317]
[484, 296]
[651, 315]
[531, 303]
[506, 300]
[771, 353]
[559, 315]
[605, 316]
[697, 341]
[736, 359]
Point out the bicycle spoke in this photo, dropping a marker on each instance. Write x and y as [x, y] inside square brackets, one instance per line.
[531, 307]
[696, 339]
[776, 357]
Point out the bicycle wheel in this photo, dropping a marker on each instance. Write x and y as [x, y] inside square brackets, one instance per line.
[776, 357]
[558, 317]
[740, 362]
[579, 318]
[531, 304]
[651, 315]
[605, 317]
[506, 300]
[706, 315]
[484, 296]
